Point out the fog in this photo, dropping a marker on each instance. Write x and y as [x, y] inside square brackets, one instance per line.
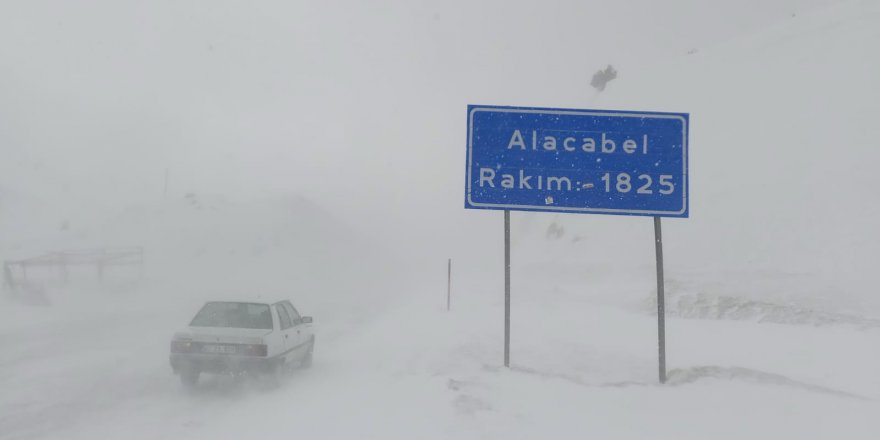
[315, 151]
[358, 107]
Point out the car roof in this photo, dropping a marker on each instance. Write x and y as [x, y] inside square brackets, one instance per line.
[251, 299]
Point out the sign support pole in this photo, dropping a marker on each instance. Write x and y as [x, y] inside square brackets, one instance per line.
[661, 306]
[507, 288]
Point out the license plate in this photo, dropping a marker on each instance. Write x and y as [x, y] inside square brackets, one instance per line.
[219, 349]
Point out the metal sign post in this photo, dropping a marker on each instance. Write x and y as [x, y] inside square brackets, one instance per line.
[661, 301]
[578, 161]
[507, 288]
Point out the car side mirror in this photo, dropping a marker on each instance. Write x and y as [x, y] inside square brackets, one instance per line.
[307, 319]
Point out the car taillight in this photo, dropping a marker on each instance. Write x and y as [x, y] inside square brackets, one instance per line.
[181, 346]
[254, 349]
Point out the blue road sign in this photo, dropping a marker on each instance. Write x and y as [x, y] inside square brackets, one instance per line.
[579, 161]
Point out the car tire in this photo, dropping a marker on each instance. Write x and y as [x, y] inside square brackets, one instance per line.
[274, 375]
[189, 378]
[307, 359]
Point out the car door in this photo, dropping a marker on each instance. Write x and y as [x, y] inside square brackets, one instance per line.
[287, 330]
[303, 330]
[275, 339]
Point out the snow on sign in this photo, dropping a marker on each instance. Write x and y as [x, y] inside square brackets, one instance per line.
[578, 161]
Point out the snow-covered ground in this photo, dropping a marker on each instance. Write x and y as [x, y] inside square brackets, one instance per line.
[774, 318]
[579, 369]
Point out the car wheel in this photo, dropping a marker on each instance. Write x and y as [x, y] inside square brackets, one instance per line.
[189, 378]
[274, 375]
[307, 359]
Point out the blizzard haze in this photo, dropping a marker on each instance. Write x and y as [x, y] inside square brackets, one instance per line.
[315, 151]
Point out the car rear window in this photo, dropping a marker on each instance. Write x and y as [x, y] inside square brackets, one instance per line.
[234, 315]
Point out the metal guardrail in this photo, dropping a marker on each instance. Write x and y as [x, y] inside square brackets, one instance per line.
[126, 255]
[100, 258]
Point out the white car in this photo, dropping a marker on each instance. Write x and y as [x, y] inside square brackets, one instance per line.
[227, 337]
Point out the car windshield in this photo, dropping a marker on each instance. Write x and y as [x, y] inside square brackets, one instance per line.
[233, 314]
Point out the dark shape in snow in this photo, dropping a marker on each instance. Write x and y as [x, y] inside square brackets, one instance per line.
[602, 77]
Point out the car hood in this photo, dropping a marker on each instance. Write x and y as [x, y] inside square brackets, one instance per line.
[223, 334]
